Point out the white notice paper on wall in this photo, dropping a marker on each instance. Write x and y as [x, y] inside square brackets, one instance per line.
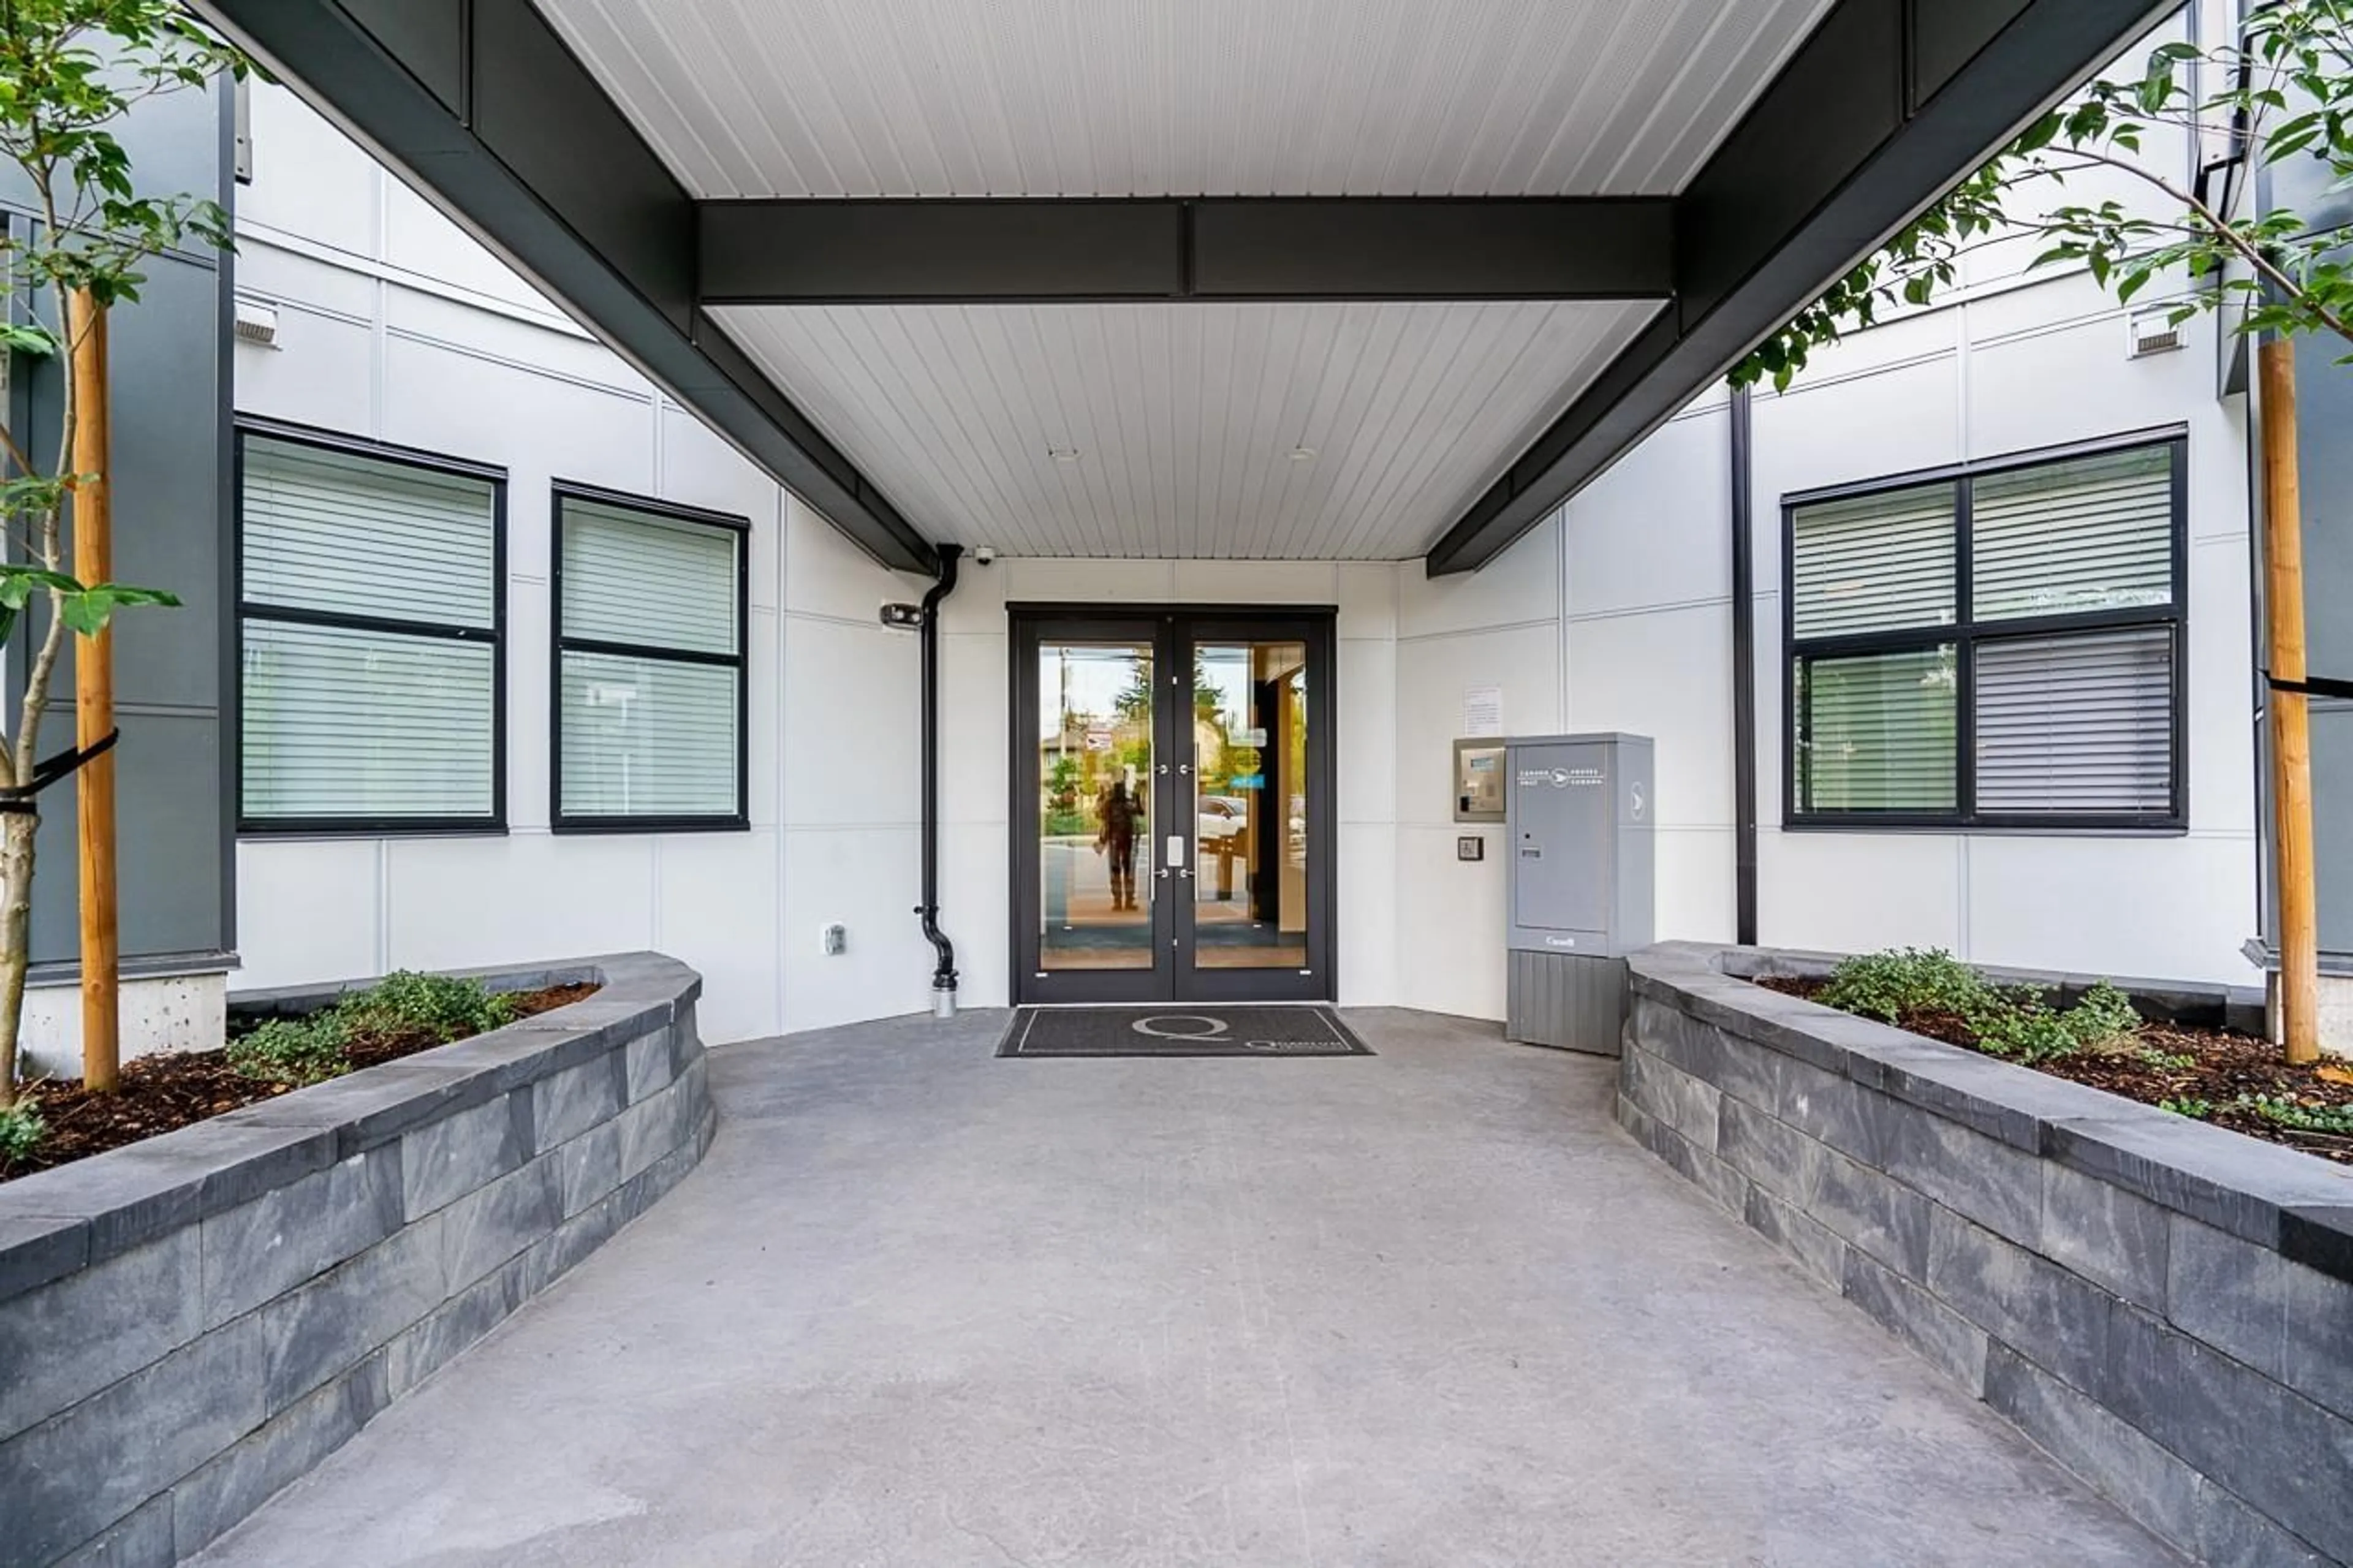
[1482, 710]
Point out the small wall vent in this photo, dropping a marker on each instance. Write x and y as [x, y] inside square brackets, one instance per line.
[257, 324]
[2153, 332]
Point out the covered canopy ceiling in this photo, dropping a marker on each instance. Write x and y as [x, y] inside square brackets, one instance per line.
[1150, 97]
[1315, 279]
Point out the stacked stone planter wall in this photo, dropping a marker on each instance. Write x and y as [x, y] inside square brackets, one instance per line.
[189, 1323]
[2163, 1305]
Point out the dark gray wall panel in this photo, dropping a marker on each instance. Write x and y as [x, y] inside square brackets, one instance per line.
[170, 434]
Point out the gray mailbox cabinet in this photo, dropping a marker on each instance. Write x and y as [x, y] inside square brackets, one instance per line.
[1579, 847]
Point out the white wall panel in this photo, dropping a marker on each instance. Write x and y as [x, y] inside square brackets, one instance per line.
[267, 269]
[698, 469]
[1433, 674]
[2045, 388]
[310, 178]
[865, 879]
[1366, 593]
[306, 910]
[825, 575]
[2173, 908]
[1143, 97]
[1254, 582]
[975, 908]
[975, 727]
[1666, 674]
[1047, 581]
[1450, 938]
[538, 427]
[1657, 528]
[1696, 887]
[418, 239]
[715, 910]
[1856, 892]
[850, 738]
[1368, 922]
[322, 373]
[453, 903]
[1521, 586]
[1366, 721]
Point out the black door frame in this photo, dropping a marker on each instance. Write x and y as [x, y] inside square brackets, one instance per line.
[1172, 631]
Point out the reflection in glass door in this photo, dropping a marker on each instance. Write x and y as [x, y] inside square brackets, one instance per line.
[1172, 836]
[1094, 760]
[1250, 799]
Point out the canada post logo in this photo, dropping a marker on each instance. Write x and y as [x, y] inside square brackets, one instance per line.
[1561, 778]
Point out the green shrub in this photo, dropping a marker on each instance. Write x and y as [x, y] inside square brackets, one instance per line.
[1887, 985]
[2193, 1108]
[21, 1127]
[2282, 1112]
[2014, 1021]
[408, 1002]
[294, 1051]
[405, 1009]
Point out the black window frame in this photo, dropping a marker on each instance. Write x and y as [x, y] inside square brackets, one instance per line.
[1966, 634]
[559, 821]
[247, 610]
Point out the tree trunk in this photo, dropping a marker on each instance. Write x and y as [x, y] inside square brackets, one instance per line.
[2299, 914]
[17, 829]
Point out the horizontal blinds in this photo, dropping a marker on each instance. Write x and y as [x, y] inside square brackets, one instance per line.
[360, 536]
[648, 737]
[2078, 724]
[648, 581]
[1874, 564]
[1878, 733]
[2090, 533]
[366, 725]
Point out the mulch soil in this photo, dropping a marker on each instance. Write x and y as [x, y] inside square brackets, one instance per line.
[2224, 1067]
[169, 1091]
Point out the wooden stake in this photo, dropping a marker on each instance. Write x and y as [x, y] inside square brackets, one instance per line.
[93, 562]
[2299, 932]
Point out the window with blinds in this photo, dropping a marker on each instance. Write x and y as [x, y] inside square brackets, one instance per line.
[1999, 648]
[369, 639]
[649, 681]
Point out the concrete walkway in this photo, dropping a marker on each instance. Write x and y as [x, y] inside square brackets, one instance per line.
[924, 1307]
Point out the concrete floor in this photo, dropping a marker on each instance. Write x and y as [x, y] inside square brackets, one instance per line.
[922, 1306]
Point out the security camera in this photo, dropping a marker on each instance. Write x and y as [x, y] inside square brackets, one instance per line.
[985, 554]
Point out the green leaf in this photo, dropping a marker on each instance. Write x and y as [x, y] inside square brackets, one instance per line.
[30, 338]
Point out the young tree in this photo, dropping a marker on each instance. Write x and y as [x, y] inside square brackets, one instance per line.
[71, 72]
[2279, 95]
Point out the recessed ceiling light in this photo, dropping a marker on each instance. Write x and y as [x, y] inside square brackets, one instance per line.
[1063, 454]
[1302, 454]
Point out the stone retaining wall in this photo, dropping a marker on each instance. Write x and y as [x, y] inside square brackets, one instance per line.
[189, 1323]
[2163, 1305]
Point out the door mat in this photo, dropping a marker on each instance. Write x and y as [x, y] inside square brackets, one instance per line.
[1179, 1029]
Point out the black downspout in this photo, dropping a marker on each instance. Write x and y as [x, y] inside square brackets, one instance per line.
[1743, 672]
[944, 977]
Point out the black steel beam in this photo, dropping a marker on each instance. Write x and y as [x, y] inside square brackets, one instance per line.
[484, 111]
[1887, 104]
[1060, 251]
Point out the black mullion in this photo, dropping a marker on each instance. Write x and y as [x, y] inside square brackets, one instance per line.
[1965, 651]
[385, 624]
[2180, 608]
[658, 654]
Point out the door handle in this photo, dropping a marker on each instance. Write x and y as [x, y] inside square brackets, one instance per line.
[1185, 770]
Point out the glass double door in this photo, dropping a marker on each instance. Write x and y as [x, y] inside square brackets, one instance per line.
[1173, 826]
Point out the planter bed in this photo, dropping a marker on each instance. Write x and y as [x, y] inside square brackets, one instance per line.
[2209, 1073]
[2165, 1305]
[190, 1322]
[171, 1089]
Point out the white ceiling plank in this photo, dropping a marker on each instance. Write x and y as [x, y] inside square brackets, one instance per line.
[1184, 415]
[935, 98]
